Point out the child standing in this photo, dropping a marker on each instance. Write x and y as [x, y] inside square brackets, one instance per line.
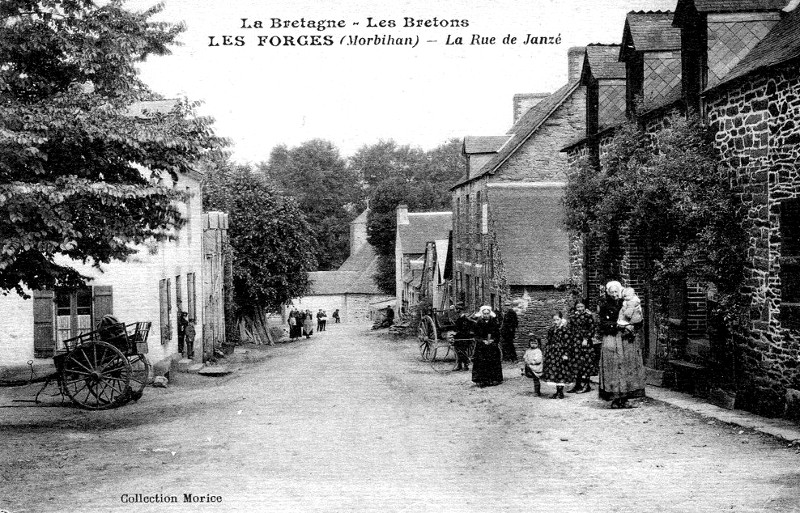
[534, 363]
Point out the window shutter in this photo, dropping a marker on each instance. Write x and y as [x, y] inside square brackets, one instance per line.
[164, 307]
[43, 340]
[102, 303]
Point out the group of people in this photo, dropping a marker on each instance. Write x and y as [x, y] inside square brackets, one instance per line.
[578, 346]
[301, 323]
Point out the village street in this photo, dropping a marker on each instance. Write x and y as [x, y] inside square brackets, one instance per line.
[352, 420]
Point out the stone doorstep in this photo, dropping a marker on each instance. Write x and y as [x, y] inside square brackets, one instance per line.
[186, 365]
[779, 428]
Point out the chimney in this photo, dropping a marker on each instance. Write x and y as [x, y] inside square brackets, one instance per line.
[525, 102]
[575, 57]
[358, 232]
[402, 214]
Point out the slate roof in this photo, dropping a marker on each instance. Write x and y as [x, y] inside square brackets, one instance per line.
[649, 31]
[363, 283]
[423, 227]
[362, 217]
[739, 5]
[360, 260]
[603, 62]
[673, 97]
[781, 44]
[532, 238]
[483, 144]
[524, 128]
[725, 6]
[330, 283]
[354, 276]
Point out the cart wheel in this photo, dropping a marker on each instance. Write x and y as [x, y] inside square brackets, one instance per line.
[426, 333]
[140, 375]
[443, 358]
[96, 376]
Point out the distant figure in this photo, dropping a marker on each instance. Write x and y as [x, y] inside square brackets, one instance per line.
[319, 320]
[323, 321]
[190, 334]
[308, 324]
[183, 321]
[336, 316]
[294, 325]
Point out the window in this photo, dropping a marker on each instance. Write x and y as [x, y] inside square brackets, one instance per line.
[790, 263]
[73, 314]
[165, 310]
[478, 212]
[63, 315]
[467, 221]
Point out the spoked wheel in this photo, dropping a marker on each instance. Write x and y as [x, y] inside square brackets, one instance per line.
[96, 376]
[443, 358]
[426, 333]
[140, 375]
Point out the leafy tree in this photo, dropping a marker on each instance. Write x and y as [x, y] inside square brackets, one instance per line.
[71, 153]
[398, 175]
[382, 220]
[669, 191]
[325, 189]
[387, 160]
[271, 241]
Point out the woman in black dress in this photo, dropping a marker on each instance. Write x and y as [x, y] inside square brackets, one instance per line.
[487, 366]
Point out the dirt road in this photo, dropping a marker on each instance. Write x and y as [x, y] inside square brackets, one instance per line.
[353, 421]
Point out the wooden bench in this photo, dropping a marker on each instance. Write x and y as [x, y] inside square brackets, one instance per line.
[688, 376]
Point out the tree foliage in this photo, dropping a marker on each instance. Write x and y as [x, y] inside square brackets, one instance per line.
[425, 187]
[72, 155]
[272, 242]
[669, 191]
[326, 190]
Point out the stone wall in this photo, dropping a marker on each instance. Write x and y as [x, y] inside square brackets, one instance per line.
[539, 304]
[539, 159]
[757, 126]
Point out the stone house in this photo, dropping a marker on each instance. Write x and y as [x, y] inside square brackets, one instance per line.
[350, 289]
[754, 109]
[649, 62]
[155, 284]
[508, 235]
[414, 231]
[739, 70]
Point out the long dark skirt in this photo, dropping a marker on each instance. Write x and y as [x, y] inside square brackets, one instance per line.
[621, 368]
[487, 367]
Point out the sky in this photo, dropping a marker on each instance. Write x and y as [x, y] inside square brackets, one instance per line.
[355, 95]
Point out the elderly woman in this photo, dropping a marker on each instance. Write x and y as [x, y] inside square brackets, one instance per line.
[487, 366]
[622, 374]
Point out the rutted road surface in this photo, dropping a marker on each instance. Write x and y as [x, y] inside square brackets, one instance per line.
[352, 420]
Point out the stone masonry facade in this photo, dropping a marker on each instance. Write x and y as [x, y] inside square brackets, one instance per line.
[757, 127]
